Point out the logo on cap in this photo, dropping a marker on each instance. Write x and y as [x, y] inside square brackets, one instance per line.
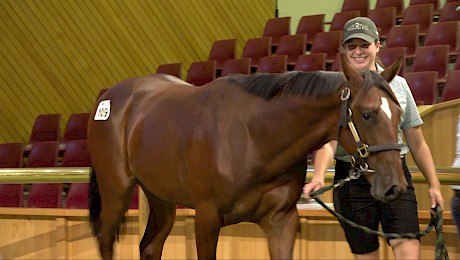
[358, 26]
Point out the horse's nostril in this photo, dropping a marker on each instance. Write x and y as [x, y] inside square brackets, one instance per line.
[392, 193]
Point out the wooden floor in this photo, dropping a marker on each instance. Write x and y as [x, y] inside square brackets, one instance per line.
[65, 234]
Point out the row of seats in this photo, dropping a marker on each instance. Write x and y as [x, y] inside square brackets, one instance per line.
[50, 195]
[263, 54]
[47, 127]
[46, 195]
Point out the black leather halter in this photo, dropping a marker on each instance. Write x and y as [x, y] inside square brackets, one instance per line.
[359, 159]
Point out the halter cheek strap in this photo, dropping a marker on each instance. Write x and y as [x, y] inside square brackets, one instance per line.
[359, 160]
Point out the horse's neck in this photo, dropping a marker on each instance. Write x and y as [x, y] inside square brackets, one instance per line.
[287, 130]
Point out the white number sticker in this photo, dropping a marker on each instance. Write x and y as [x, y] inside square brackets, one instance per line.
[103, 110]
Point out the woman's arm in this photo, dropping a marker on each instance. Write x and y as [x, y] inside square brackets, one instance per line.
[422, 157]
[322, 161]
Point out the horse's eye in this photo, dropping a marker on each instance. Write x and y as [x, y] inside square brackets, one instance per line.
[367, 116]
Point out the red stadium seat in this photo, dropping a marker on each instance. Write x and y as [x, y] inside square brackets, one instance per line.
[339, 19]
[174, 69]
[201, 72]
[292, 46]
[398, 4]
[76, 154]
[237, 66]
[221, 51]
[361, 5]
[327, 42]
[384, 19]
[275, 28]
[76, 127]
[311, 25]
[46, 128]
[423, 86]
[273, 64]
[77, 196]
[311, 62]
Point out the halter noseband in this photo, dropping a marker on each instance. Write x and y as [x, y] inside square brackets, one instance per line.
[359, 160]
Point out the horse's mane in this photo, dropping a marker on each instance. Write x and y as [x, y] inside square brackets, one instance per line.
[297, 83]
[293, 83]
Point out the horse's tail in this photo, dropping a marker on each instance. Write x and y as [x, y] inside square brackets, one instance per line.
[94, 204]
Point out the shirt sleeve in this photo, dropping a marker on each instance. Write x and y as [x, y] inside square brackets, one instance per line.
[412, 117]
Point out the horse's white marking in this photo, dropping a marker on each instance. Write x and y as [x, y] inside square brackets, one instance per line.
[103, 110]
[385, 107]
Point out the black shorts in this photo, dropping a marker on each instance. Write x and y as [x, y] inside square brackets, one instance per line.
[354, 201]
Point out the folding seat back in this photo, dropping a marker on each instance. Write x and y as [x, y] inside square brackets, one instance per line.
[77, 196]
[256, 48]
[201, 72]
[339, 19]
[11, 155]
[327, 42]
[173, 69]
[435, 4]
[419, 14]
[45, 195]
[272, 64]
[442, 33]
[423, 86]
[389, 55]
[311, 62]
[449, 12]
[46, 128]
[311, 25]
[135, 199]
[275, 28]
[398, 4]
[76, 154]
[11, 195]
[384, 19]
[236, 66]
[76, 128]
[433, 58]
[221, 51]
[292, 46]
[361, 5]
[451, 89]
[404, 36]
[43, 154]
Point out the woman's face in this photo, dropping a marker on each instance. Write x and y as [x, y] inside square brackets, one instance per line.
[361, 54]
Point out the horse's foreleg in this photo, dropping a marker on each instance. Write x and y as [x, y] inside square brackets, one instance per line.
[161, 220]
[281, 228]
[207, 227]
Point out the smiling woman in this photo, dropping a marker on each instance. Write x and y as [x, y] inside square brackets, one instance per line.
[355, 200]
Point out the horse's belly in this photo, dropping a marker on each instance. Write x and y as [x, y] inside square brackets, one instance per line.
[262, 199]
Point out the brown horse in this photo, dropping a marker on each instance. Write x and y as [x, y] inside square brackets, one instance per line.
[234, 150]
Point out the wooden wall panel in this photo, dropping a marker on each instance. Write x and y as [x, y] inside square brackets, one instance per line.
[55, 56]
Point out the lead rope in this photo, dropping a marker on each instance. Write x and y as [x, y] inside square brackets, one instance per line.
[436, 221]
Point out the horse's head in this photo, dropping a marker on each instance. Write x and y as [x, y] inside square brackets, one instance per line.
[369, 131]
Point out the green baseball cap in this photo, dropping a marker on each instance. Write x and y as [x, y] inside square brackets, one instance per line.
[360, 27]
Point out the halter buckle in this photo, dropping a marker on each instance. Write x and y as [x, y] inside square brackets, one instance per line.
[345, 93]
[363, 151]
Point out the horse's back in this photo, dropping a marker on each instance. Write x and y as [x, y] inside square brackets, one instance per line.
[115, 111]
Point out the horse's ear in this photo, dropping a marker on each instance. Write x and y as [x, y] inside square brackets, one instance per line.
[390, 72]
[351, 74]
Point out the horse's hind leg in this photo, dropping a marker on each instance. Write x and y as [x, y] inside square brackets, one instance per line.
[161, 220]
[116, 197]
